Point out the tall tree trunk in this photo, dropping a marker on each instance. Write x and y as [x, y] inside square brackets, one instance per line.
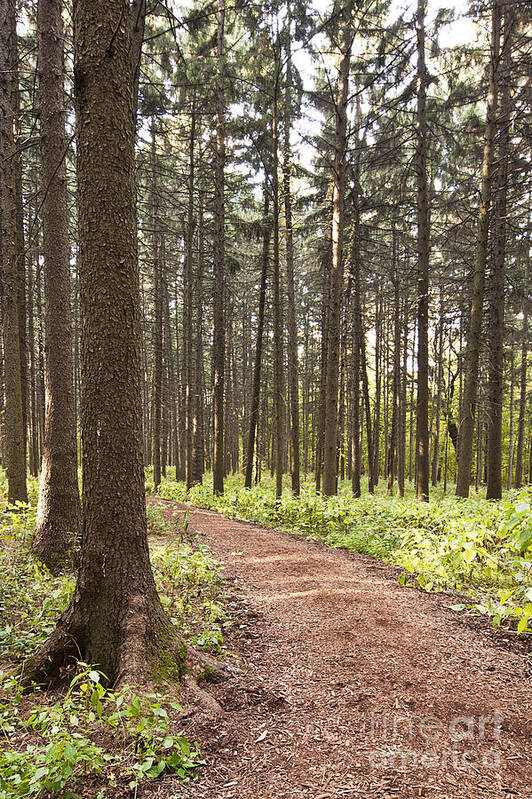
[293, 365]
[436, 452]
[496, 288]
[58, 509]
[255, 395]
[401, 455]
[34, 439]
[278, 404]
[320, 421]
[469, 399]
[218, 346]
[115, 618]
[411, 456]
[423, 254]
[188, 303]
[393, 457]
[510, 469]
[367, 405]
[198, 449]
[330, 444]
[357, 343]
[378, 378]
[523, 386]
[157, 316]
[15, 438]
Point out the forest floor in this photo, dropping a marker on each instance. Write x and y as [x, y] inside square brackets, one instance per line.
[347, 684]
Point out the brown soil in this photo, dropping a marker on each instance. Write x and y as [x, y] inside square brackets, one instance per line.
[350, 685]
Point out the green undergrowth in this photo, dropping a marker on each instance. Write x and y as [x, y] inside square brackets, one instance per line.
[89, 741]
[189, 583]
[480, 548]
[93, 736]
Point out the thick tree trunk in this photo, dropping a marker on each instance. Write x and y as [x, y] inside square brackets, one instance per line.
[469, 399]
[15, 438]
[330, 443]
[496, 293]
[58, 509]
[115, 618]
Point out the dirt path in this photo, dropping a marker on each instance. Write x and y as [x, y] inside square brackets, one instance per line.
[353, 686]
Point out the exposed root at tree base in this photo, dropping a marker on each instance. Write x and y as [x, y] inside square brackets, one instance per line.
[144, 658]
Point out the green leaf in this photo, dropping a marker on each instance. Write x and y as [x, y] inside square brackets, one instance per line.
[156, 769]
[523, 624]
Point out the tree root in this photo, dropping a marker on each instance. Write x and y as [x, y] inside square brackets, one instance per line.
[204, 667]
[145, 660]
[204, 701]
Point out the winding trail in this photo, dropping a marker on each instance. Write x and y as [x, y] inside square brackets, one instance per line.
[349, 685]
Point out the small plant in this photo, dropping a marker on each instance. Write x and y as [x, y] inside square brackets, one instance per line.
[157, 524]
[92, 732]
[64, 748]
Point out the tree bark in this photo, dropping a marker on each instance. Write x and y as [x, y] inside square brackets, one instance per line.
[423, 254]
[510, 470]
[436, 452]
[393, 456]
[293, 361]
[198, 448]
[218, 346]
[278, 403]
[58, 509]
[115, 618]
[255, 395]
[330, 444]
[15, 438]
[523, 386]
[157, 334]
[356, 304]
[469, 398]
[496, 293]
[188, 305]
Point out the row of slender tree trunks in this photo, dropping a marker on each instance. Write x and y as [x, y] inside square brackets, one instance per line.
[353, 413]
[393, 316]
